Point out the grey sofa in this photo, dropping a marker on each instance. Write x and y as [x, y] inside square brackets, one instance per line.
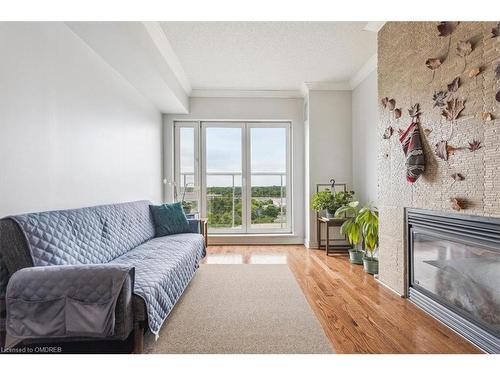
[117, 235]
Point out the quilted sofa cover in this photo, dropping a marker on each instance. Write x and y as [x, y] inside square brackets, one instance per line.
[118, 234]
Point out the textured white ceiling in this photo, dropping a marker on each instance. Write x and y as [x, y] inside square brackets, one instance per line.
[269, 55]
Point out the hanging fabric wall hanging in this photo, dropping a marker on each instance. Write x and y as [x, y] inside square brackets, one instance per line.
[412, 148]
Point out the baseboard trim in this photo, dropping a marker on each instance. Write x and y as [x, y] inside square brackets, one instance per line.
[377, 278]
[254, 239]
[311, 245]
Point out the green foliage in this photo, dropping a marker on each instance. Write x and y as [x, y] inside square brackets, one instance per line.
[322, 200]
[220, 211]
[325, 200]
[264, 211]
[187, 206]
[257, 191]
[368, 220]
[362, 224]
[343, 198]
[350, 227]
[221, 202]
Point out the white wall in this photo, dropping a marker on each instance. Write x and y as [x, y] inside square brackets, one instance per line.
[72, 131]
[330, 146]
[364, 138]
[251, 109]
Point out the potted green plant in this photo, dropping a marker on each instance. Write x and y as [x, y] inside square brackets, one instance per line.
[187, 206]
[330, 203]
[323, 201]
[352, 229]
[368, 220]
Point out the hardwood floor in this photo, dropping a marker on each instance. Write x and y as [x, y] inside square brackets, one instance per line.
[358, 314]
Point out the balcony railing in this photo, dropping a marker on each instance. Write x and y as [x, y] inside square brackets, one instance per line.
[235, 195]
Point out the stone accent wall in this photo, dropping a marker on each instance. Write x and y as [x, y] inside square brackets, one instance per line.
[403, 48]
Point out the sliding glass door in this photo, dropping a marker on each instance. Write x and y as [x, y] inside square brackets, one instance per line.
[187, 180]
[243, 174]
[222, 176]
[267, 177]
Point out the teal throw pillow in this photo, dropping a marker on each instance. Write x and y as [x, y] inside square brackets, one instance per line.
[169, 219]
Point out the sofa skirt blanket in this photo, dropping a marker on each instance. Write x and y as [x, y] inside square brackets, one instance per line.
[65, 301]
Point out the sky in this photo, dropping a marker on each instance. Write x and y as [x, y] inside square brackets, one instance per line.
[224, 154]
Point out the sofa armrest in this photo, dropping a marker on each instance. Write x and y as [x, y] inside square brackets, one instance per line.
[68, 301]
[199, 226]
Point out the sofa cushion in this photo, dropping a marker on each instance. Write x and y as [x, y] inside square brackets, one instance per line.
[164, 266]
[86, 235]
[169, 218]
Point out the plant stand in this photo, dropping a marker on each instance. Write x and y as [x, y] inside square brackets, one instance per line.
[339, 245]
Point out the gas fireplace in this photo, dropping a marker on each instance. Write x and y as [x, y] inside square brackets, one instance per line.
[454, 272]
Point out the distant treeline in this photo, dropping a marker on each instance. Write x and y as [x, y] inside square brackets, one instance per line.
[257, 191]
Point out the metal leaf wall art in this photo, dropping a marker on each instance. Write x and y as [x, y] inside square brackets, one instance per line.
[457, 204]
[442, 150]
[433, 64]
[389, 104]
[457, 177]
[388, 132]
[414, 111]
[446, 28]
[454, 85]
[474, 145]
[495, 31]
[464, 49]
[453, 109]
[474, 72]
[439, 98]
[487, 116]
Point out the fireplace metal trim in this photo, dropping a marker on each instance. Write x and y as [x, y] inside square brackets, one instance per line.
[478, 336]
[483, 231]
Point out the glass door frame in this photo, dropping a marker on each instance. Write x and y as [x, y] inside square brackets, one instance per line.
[249, 125]
[200, 177]
[195, 125]
[203, 171]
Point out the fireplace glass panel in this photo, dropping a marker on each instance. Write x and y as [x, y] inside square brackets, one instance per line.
[465, 277]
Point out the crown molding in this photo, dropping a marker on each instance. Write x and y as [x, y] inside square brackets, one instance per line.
[233, 93]
[369, 66]
[161, 41]
[327, 86]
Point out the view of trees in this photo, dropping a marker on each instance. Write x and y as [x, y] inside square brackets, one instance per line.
[220, 205]
[257, 191]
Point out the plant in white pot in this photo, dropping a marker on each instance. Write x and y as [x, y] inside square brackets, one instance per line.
[352, 229]
[368, 220]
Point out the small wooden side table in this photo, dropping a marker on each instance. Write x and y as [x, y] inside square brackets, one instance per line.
[204, 229]
[331, 249]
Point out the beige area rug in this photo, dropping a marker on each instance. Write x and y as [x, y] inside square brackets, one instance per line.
[241, 309]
